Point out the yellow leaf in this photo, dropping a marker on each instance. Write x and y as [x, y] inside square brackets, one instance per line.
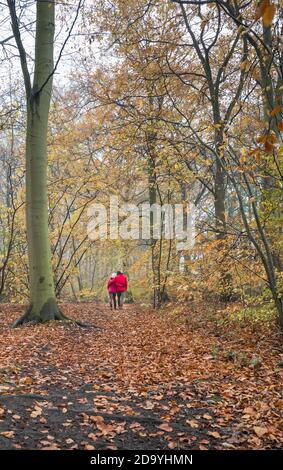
[89, 447]
[268, 15]
[245, 65]
[275, 110]
[263, 4]
[28, 381]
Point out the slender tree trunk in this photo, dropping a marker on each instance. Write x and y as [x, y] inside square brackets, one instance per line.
[152, 200]
[219, 202]
[219, 185]
[226, 282]
[183, 254]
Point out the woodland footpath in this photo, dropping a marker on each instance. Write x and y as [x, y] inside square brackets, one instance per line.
[138, 379]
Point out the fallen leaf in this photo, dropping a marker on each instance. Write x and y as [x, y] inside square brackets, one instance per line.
[8, 434]
[260, 431]
[192, 423]
[51, 447]
[28, 381]
[69, 441]
[172, 445]
[105, 428]
[89, 447]
[214, 434]
[17, 417]
[148, 405]
[36, 413]
[202, 447]
[165, 427]
[249, 411]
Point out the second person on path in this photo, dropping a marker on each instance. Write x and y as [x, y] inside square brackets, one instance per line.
[121, 283]
[111, 286]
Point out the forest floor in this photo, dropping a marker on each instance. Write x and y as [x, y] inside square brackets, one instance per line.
[143, 380]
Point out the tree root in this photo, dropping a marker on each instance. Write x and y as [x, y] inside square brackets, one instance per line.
[29, 317]
[63, 317]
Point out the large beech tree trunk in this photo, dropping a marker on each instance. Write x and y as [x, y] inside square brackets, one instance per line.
[43, 305]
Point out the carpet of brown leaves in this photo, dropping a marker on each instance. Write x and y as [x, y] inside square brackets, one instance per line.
[142, 380]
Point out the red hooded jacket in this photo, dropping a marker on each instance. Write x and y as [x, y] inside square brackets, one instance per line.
[121, 282]
[111, 285]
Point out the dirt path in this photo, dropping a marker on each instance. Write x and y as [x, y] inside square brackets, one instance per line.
[142, 381]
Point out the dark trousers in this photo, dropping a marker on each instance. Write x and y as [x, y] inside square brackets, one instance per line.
[121, 298]
[112, 299]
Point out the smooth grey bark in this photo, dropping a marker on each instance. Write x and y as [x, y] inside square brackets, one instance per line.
[43, 305]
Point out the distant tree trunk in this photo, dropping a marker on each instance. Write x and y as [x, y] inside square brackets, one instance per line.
[152, 200]
[219, 177]
[219, 202]
[184, 257]
[225, 284]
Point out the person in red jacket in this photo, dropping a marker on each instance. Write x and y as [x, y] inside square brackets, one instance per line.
[121, 283]
[112, 291]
